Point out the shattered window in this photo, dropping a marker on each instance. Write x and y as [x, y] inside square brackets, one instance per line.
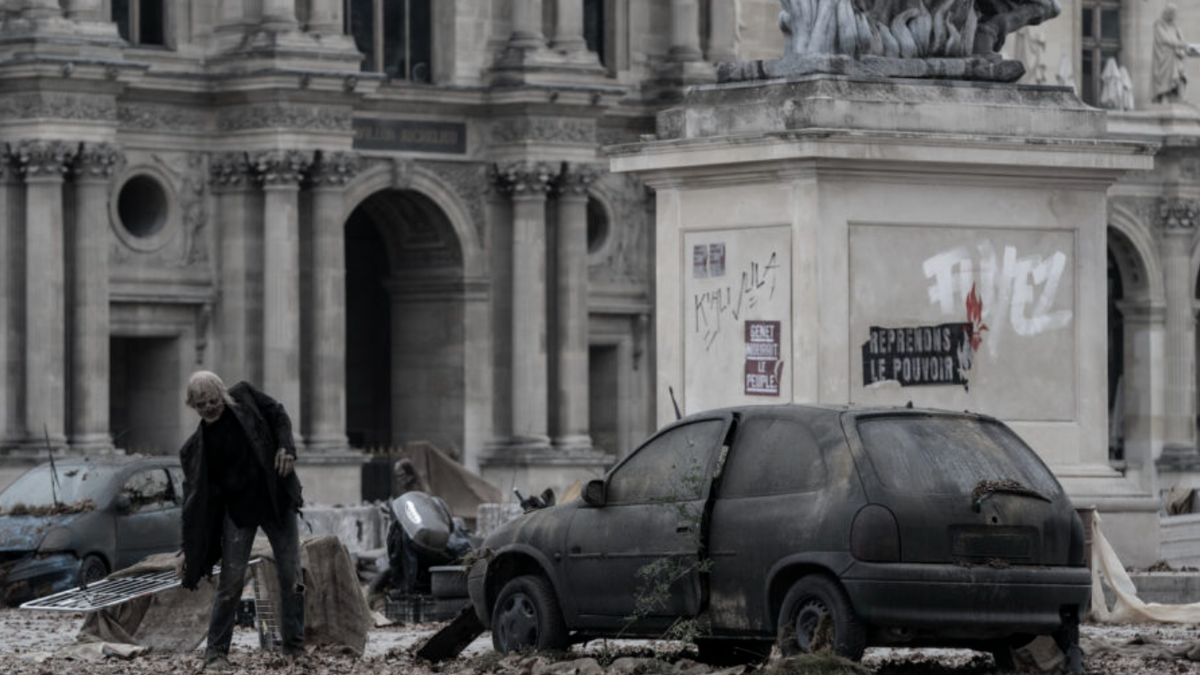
[148, 490]
[949, 455]
[673, 466]
[770, 457]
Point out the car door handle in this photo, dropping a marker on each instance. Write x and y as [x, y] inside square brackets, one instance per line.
[683, 529]
[575, 549]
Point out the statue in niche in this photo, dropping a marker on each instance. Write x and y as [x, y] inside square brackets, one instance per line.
[1116, 91]
[958, 39]
[1170, 58]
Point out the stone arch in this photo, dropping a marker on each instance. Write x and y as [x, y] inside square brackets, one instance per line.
[1137, 255]
[414, 177]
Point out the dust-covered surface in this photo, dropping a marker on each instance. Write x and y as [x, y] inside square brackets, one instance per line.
[29, 640]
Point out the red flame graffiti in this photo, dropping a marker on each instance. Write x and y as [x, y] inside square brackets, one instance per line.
[975, 316]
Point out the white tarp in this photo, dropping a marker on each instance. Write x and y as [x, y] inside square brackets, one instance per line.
[1128, 608]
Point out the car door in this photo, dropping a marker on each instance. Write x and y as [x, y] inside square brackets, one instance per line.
[147, 516]
[649, 531]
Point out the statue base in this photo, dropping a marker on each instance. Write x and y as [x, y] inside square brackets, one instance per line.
[978, 68]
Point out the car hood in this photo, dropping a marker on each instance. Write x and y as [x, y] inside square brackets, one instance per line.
[541, 529]
[25, 533]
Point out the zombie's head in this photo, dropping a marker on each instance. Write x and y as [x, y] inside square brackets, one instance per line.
[207, 395]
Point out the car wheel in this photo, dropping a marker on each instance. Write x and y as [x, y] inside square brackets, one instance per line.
[526, 616]
[92, 569]
[717, 652]
[817, 614]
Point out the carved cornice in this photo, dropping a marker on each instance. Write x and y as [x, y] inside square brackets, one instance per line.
[169, 118]
[550, 130]
[97, 161]
[229, 169]
[59, 106]
[286, 116]
[576, 179]
[42, 158]
[334, 169]
[524, 177]
[280, 167]
[1178, 214]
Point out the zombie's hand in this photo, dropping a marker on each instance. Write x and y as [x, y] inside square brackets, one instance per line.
[284, 462]
[180, 564]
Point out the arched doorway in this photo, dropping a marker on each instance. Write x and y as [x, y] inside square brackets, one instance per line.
[405, 376]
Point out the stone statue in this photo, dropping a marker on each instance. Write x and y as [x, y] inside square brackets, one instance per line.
[898, 38]
[1170, 58]
[1030, 48]
[1116, 91]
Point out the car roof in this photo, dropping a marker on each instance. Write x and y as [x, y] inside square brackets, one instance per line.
[825, 414]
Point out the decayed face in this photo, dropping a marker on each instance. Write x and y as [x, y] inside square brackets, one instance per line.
[209, 406]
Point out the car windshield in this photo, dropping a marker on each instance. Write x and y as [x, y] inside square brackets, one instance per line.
[75, 483]
[950, 455]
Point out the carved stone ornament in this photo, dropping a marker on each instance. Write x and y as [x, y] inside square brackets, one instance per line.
[402, 173]
[334, 169]
[280, 167]
[576, 179]
[97, 161]
[524, 177]
[228, 169]
[552, 130]
[45, 158]
[900, 38]
[58, 106]
[169, 118]
[1178, 214]
[298, 116]
[470, 182]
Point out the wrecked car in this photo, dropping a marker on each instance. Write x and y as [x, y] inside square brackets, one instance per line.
[84, 518]
[805, 526]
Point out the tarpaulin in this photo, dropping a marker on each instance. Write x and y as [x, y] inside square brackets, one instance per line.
[1128, 607]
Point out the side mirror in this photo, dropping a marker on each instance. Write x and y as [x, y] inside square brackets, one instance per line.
[594, 492]
[123, 503]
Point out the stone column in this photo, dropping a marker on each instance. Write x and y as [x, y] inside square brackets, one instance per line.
[1178, 219]
[568, 27]
[229, 175]
[325, 17]
[39, 9]
[685, 31]
[279, 15]
[93, 171]
[43, 164]
[12, 416]
[326, 325]
[84, 10]
[723, 32]
[527, 182]
[569, 417]
[527, 25]
[280, 173]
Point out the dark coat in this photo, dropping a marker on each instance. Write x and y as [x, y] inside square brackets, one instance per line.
[267, 428]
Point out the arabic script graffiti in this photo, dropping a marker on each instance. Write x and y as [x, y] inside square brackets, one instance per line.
[1019, 292]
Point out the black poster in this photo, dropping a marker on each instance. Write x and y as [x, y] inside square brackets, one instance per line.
[920, 356]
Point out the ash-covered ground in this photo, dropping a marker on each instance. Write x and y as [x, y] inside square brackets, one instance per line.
[31, 643]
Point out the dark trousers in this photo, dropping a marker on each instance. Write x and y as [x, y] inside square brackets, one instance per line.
[236, 543]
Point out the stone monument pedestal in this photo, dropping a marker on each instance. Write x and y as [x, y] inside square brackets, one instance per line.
[832, 240]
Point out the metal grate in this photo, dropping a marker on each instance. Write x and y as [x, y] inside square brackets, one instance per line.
[109, 592]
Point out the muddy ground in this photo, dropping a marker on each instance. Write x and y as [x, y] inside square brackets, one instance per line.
[29, 642]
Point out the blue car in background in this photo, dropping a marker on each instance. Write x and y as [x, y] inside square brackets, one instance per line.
[95, 516]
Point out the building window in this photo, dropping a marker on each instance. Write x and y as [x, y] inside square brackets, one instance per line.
[394, 36]
[593, 28]
[1101, 41]
[140, 22]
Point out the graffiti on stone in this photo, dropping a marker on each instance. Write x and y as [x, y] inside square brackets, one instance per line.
[1017, 292]
[716, 308]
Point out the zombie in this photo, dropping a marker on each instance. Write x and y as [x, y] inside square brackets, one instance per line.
[238, 477]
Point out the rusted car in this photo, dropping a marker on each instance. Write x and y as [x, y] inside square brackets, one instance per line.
[96, 515]
[799, 525]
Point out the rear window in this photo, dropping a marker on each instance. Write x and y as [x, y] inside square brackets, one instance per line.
[34, 487]
[949, 455]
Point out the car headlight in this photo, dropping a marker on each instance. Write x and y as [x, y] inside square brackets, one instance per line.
[55, 540]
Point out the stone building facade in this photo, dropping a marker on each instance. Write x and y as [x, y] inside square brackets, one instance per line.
[396, 216]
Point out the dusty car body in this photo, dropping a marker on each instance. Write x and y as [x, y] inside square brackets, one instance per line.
[111, 512]
[896, 526]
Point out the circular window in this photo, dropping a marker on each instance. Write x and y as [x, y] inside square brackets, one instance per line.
[597, 226]
[142, 206]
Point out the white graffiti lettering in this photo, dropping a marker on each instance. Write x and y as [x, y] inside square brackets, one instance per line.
[1019, 290]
